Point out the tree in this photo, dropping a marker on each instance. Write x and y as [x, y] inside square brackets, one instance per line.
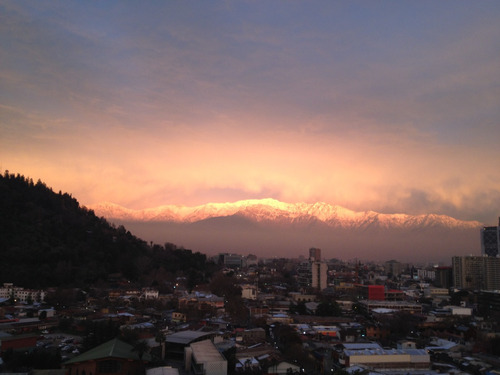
[160, 338]
[459, 296]
[141, 348]
[299, 308]
[328, 308]
[130, 336]
[224, 286]
[98, 332]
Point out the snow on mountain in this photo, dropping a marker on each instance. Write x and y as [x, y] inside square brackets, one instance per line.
[275, 212]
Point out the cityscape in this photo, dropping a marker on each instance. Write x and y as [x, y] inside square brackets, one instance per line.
[249, 187]
[188, 313]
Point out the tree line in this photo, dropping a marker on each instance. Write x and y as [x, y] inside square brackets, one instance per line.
[47, 240]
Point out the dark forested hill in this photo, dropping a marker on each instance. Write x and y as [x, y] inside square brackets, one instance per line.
[47, 239]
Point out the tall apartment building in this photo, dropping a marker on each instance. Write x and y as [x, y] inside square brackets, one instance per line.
[476, 272]
[315, 254]
[393, 267]
[313, 273]
[444, 277]
[319, 274]
[490, 240]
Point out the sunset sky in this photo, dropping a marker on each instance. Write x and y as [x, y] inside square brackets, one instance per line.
[391, 106]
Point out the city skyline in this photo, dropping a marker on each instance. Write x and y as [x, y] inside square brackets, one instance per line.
[390, 107]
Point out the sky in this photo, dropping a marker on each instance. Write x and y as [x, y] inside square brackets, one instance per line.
[390, 106]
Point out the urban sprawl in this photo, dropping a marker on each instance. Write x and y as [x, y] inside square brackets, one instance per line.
[269, 316]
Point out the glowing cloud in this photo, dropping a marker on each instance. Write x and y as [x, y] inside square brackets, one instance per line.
[391, 108]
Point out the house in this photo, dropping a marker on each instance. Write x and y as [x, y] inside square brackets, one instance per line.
[112, 357]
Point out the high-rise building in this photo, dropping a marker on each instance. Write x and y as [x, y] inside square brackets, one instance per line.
[393, 268]
[488, 302]
[490, 240]
[313, 273]
[232, 260]
[319, 272]
[444, 277]
[476, 272]
[315, 254]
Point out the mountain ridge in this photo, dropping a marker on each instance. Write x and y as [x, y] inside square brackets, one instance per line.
[272, 228]
[273, 211]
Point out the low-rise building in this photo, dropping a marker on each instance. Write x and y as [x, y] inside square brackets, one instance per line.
[20, 294]
[251, 335]
[149, 293]
[24, 342]
[178, 317]
[387, 359]
[176, 343]
[279, 318]
[329, 331]
[249, 291]
[112, 357]
[201, 301]
[370, 305]
[300, 297]
[203, 358]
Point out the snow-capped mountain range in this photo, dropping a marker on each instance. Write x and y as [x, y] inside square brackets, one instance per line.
[271, 211]
[268, 227]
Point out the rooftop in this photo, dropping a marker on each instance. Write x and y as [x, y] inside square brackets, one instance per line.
[205, 351]
[186, 337]
[111, 349]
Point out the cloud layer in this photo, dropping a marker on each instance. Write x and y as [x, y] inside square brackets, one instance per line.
[390, 107]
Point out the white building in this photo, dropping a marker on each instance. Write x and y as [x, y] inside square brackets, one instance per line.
[426, 274]
[203, 358]
[150, 293]
[313, 274]
[20, 294]
[459, 310]
[390, 359]
[249, 291]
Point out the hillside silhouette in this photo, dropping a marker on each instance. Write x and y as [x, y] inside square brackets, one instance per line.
[48, 239]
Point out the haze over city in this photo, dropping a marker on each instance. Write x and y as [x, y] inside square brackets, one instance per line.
[390, 107]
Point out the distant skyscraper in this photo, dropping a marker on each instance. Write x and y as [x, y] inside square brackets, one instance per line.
[232, 260]
[393, 267]
[444, 277]
[476, 272]
[490, 240]
[315, 254]
[313, 273]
